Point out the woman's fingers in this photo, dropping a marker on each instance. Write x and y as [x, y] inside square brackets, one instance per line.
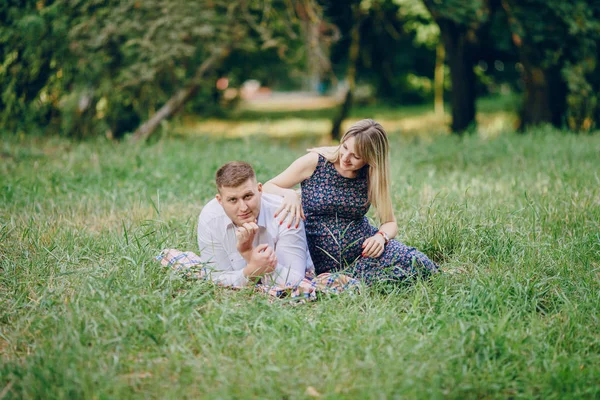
[280, 209]
[292, 215]
[282, 212]
[368, 245]
[290, 211]
[372, 248]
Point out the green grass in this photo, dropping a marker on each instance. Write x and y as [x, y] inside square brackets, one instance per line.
[85, 311]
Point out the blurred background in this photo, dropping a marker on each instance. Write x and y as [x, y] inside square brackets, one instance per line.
[86, 68]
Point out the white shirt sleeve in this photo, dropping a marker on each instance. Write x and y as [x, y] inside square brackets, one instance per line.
[215, 256]
[291, 256]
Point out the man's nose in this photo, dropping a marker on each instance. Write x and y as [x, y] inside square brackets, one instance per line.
[243, 206]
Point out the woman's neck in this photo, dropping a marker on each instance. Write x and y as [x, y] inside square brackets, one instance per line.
[345, 174]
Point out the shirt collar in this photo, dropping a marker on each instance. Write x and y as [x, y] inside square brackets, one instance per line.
[262, 216]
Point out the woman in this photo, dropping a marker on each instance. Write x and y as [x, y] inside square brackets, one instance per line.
[338, 186]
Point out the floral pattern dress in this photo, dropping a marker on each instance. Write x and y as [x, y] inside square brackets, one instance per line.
[336, 226]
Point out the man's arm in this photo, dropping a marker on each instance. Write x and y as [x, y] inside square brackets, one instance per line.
[213, 253]
[291, 256]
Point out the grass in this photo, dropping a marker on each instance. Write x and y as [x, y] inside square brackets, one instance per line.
[85, 312]
[496, 115]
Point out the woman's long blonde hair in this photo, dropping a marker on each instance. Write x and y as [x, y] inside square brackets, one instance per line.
[372, 145]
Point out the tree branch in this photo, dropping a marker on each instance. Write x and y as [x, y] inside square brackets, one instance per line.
[178, 100]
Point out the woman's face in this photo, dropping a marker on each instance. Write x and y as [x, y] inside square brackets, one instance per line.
[349, 160]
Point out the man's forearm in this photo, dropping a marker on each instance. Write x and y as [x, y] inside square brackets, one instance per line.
[287, 275]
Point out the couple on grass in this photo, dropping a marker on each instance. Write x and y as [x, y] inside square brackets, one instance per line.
[252, 232]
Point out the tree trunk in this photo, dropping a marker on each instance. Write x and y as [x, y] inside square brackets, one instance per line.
[438, 80]
[314, 72]
[536, 104]
[462, 76]
[353, 52]
[343, 112]
[545, 97]
[175, 103]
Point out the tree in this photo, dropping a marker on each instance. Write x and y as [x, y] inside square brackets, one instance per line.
[98, 66]
[34, 63]
[418, 20]
[165, 47]
[461, 23]
[557, 43]
[382, 49]
[353, 52]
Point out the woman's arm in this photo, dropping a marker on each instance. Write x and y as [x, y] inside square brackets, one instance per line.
[390, 228]
[283, 184]
[375, 245]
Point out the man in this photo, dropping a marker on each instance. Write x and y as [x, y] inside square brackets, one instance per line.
[241, 240]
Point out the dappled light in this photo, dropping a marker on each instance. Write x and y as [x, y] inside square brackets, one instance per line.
[421, 123]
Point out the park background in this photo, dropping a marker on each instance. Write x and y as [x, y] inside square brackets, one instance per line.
[114, 116]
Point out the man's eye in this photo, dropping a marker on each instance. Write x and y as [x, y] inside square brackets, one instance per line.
[247, 197]
[232, 200]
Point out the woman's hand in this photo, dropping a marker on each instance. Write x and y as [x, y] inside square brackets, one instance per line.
[291, 209]
[374, 246]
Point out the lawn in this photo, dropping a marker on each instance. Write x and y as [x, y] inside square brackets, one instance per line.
[86, 312]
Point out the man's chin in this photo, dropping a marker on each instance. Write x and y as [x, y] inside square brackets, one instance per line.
[249, 218]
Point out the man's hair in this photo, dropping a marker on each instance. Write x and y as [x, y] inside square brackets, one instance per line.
[233, 174]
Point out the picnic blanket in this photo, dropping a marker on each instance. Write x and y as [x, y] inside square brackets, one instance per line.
[188, 265]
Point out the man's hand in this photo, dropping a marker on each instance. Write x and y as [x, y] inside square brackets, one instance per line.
[245, 237]
[262, 261]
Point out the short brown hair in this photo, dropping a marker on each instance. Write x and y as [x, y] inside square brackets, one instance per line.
[233, 174]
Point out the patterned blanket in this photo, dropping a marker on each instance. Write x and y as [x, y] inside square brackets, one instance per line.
[188, 265]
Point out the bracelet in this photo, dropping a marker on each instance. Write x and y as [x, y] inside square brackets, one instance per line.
[385, 236]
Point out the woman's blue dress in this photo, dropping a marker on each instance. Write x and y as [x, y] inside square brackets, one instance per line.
[336, 226]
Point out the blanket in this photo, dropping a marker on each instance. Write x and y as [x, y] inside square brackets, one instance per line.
[189, 266]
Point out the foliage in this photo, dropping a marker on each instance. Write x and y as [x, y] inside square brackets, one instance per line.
[90, 67]
[35, 64]
[417, 19]
[563, 37]
[392, 54]
[581, 70]
[106, 65]
[86, 311]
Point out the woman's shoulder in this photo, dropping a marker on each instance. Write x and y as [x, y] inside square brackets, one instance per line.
[328, 152]
[302, 168]
[309, 160]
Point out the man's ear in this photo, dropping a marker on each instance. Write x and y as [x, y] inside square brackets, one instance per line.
[219, 199]
[259, 186]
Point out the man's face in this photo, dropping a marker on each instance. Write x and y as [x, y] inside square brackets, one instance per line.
[241, 203]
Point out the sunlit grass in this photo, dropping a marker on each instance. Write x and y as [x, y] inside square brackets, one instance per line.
[289, 118]
[85, 311]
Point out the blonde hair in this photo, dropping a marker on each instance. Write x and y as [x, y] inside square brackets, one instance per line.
[372, 145]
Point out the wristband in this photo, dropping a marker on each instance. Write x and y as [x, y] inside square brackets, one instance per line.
[385, 236]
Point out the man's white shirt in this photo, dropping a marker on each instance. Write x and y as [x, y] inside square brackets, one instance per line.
[217, 243]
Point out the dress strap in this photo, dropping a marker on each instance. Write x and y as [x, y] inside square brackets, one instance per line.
[322, 162]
